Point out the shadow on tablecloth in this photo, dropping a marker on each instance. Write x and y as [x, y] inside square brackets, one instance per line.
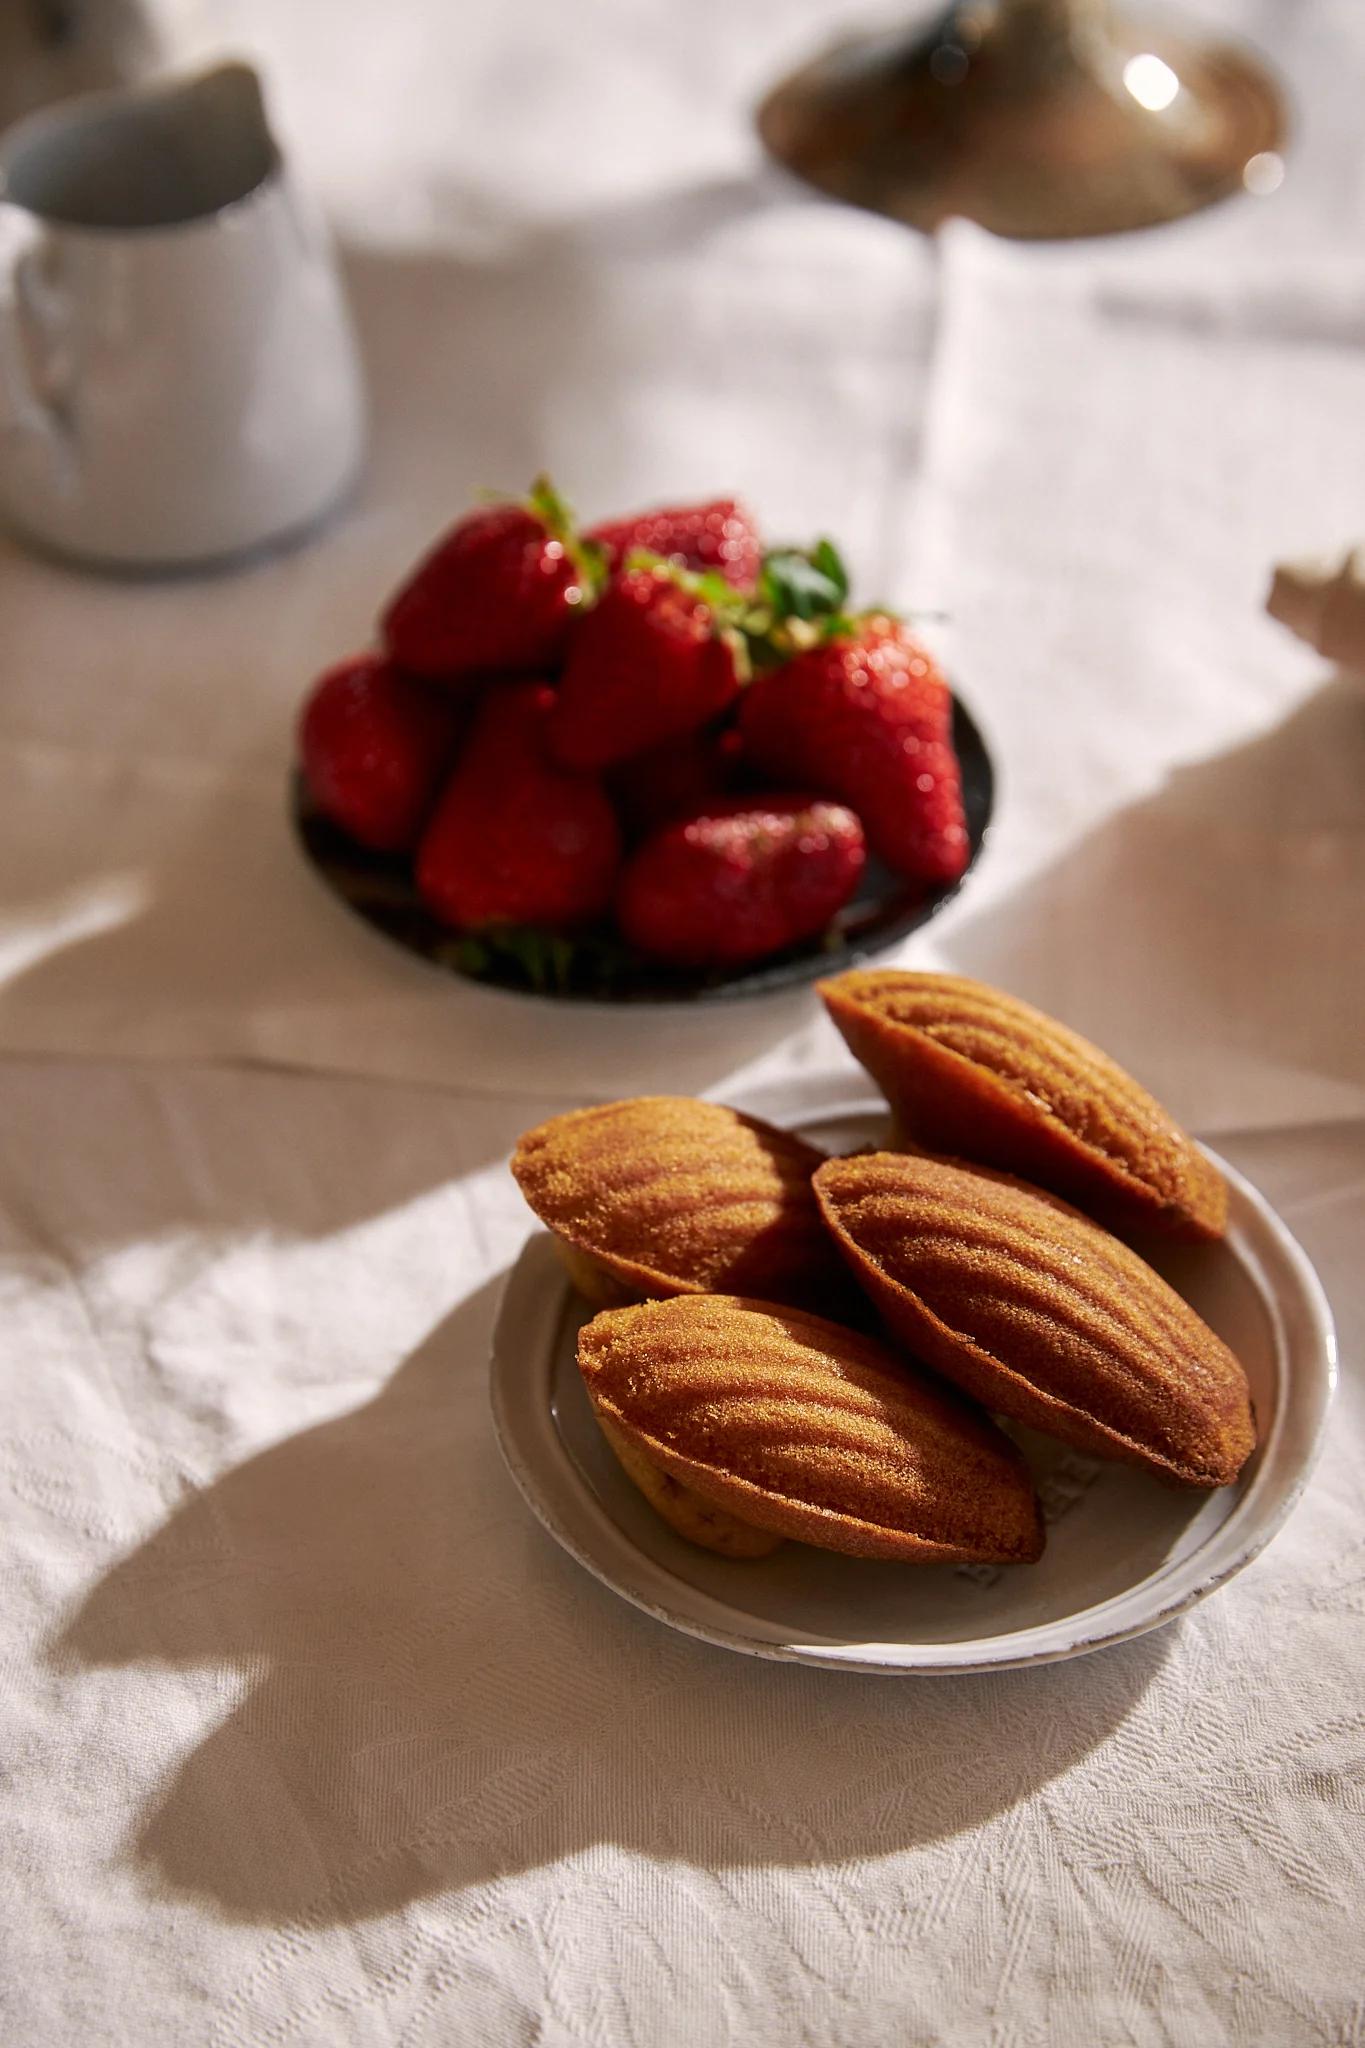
[428, 1695]
[1214, 927]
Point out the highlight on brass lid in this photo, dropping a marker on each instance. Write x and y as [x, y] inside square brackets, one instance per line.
[978, 1074]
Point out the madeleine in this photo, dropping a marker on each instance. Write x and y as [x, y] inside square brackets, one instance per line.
[1039, 1314]
[662, 1194]
[797, 1426]
[979, 1074]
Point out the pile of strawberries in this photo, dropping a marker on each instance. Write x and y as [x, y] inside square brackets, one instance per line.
[654, 724]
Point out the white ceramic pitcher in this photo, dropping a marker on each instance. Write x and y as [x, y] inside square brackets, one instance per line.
[178, 375]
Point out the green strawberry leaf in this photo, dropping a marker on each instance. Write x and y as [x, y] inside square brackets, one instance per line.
[640, 560]
[715, 590]
[545, 962]
[801, 602]
[544, 957]
[830, 563]
[796, 584]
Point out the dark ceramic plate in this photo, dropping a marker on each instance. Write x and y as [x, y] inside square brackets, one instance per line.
[598, 966]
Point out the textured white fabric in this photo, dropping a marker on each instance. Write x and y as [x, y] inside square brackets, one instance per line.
[310, 1736]
[315, 1737]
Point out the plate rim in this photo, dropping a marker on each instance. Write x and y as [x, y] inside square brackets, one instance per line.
[537, 1293]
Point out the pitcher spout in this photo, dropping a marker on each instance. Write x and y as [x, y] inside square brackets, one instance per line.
[210, 134]
[221, 112]
[160, 155]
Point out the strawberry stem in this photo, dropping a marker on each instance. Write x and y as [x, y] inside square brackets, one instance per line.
[555, 514]
[553, 511]
[800, 602]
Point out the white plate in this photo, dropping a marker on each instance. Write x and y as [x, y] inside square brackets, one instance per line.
[1124, 1551]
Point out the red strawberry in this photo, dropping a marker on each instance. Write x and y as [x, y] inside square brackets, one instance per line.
[374, 746]
[675, 779]
[514, 838]
[647, 665]
[497, 593]
[743, 878]
[867, 717]
[718, 536]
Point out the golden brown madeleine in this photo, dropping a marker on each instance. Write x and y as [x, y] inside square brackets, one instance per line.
[809, 1430]
[684, 1510]
[973, 1072]
[668, 1195]
[1040, 1314]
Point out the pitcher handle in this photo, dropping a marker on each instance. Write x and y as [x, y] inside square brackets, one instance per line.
[22, 409]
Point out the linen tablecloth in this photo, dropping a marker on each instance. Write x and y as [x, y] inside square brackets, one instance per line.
[311, 1734]
[314, 1735]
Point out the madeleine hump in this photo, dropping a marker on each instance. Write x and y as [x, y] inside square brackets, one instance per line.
[1040, 1314]
[978, 1074]
[797, 1426]
[662, 1194]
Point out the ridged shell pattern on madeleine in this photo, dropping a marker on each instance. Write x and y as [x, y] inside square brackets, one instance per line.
[976, 1073]
[1040, 1314]
[799, 1426]
[669, 1195]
